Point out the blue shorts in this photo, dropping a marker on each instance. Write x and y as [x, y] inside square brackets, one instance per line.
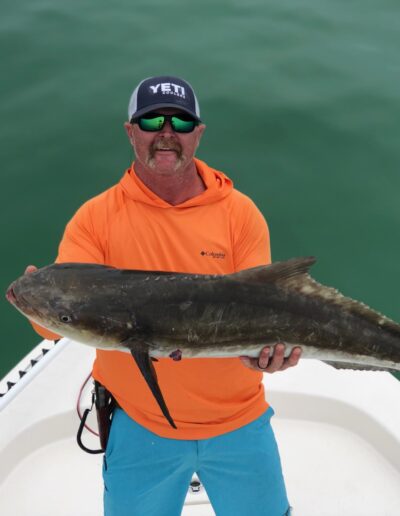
[148, 475]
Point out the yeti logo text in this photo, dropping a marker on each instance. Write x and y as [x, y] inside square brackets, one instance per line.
[169, 88]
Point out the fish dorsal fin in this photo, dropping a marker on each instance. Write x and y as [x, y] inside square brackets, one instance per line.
[292, 275]
[276, 272]
[308, 286]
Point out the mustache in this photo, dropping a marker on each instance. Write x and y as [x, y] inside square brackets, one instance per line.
[166, 143]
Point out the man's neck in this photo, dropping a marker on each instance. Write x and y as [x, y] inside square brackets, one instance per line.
[173, 188]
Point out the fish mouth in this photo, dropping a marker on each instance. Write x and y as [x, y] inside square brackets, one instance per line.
[10, 295]
[15, 298]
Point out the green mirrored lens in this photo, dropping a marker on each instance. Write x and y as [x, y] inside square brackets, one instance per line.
[181, 125]
[155, 122]
[151, 124]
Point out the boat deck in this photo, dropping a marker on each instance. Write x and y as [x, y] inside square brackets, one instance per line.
[338, 433]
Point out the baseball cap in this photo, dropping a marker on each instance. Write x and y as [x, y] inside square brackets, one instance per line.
[160, 92]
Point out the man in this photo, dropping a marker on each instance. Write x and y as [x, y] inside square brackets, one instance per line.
[172, 212]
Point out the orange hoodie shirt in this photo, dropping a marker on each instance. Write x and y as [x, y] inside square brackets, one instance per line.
[217, 232]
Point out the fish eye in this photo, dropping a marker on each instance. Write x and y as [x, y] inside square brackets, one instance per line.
[65, 318]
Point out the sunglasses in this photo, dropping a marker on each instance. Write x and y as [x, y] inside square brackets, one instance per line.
[152, 122]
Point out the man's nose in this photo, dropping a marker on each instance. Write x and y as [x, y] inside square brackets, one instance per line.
[167, 129]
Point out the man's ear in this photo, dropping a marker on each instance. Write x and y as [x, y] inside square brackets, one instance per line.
[200, 129]
[129, 131]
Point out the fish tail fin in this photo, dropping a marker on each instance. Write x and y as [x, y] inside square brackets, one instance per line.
[144, 363]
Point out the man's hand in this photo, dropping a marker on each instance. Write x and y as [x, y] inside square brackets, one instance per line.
[277, 362]
[30, 268]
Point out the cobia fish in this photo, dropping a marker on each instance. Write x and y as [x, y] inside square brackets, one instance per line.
[165, 314]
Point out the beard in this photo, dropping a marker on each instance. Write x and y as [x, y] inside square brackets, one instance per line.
[165, 143]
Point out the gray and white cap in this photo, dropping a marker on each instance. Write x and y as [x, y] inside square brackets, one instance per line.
[160, 92]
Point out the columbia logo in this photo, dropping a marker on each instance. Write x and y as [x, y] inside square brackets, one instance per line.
[212, 254]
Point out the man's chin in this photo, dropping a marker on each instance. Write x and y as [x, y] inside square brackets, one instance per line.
[165, 162]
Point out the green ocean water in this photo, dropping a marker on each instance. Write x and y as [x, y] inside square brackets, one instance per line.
[301, 101]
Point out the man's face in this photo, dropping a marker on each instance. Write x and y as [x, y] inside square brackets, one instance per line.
[165, 151]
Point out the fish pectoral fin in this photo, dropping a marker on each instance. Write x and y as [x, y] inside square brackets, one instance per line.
[357, 367]
[144, 363]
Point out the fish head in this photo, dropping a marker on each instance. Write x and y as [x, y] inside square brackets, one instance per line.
[60, 298]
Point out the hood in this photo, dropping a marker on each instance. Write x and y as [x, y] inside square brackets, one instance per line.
[218, 186]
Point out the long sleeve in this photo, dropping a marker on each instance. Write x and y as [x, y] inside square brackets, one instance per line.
[251, 239]
[80, 243]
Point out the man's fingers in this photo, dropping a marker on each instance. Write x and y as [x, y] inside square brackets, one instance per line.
[263, 360]
[292, 359]
[251, 363]
[259, 363]
[277, 362]
[30, 268]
